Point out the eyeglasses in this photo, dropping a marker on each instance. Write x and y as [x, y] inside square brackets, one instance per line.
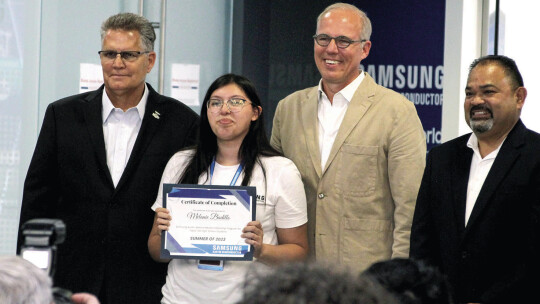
[234, 105]
[129, 56]
[342, 42]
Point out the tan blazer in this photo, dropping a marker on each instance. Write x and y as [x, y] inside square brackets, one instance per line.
[360, 207]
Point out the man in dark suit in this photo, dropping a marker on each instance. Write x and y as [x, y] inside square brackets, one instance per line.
[97, 166]
[477, 212]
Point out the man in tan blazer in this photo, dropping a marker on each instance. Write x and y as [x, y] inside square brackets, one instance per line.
[359, 147]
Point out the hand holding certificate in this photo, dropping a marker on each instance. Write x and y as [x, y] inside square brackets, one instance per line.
[207, 221]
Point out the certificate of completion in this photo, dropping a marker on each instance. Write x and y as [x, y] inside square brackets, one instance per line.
[207, 221]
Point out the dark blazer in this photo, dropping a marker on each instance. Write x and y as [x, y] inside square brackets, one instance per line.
[493, 258]
[107, 228]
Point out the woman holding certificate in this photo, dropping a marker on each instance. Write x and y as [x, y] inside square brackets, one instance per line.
[233, 149]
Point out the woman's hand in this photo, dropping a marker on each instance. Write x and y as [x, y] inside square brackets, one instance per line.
[253, 233]
[292, 244]
[163, 219]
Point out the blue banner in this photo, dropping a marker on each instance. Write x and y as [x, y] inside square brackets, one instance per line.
[407, 54]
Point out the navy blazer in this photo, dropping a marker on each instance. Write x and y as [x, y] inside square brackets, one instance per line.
[107, 227]
[493, 258]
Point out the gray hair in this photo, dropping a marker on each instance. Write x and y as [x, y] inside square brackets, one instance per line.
[23, 283]
[366, 23]
[129, 22]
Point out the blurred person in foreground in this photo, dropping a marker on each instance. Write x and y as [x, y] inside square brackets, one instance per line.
[23, 283]
[410, 281]
[232, 141]
[313, 283]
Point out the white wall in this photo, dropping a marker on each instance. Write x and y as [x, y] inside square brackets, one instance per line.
[519, 24]
[462, 44]
[469, 30]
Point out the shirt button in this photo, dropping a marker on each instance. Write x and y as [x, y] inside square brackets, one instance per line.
[321, 195]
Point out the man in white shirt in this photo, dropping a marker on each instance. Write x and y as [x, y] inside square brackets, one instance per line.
[359, 147]
[97, 166]
[478, 208]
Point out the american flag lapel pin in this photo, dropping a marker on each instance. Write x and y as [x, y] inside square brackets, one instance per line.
[156, 114]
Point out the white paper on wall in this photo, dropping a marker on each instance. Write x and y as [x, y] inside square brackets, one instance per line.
[91, 77]
[185, 83]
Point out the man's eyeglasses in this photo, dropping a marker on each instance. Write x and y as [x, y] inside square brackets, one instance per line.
[234, 105]
[342, 42]
[125, 55]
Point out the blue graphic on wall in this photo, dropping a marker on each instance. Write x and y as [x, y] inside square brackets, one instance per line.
[407, 55]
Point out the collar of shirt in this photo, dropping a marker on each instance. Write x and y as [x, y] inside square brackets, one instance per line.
[473, 144]
[347, 92]
[108, 107]
[478, 172]
[330, 116]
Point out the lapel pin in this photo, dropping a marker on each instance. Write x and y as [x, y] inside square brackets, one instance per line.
[156, 114]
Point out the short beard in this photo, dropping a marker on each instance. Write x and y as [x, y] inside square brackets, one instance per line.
[481, 126]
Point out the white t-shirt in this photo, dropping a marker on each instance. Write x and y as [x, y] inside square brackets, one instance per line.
[281, 205]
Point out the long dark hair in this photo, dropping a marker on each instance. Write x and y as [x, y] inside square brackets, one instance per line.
[255, 143]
